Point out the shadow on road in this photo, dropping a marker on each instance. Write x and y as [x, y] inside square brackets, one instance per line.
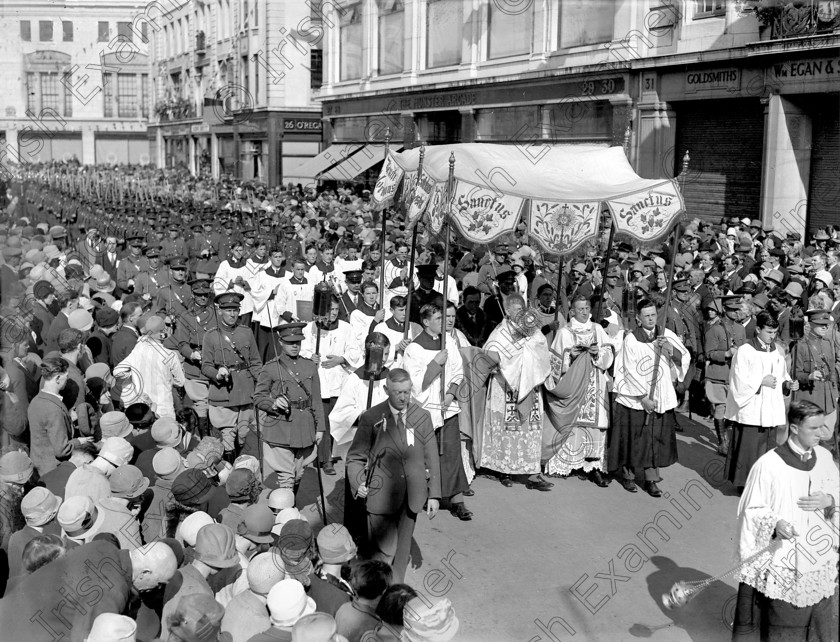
[697, 451]
[696, 618]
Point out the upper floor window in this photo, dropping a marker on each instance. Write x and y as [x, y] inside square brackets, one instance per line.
[709, 8]
[585, 22]
[67, 28]
[350, 46]
[45, 91]
[444, 32]
[25, 30]
[316, 68]
[511, 29]
[45, 30]
[391, 18]
[102, 29]
[124, 31]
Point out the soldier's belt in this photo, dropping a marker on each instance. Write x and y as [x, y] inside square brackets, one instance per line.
[302, 404]
[237, 367]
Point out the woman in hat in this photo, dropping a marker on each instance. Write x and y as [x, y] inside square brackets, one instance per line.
[16, 479]
[39, 508]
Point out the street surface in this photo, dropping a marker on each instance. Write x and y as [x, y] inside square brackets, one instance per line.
[581, 562]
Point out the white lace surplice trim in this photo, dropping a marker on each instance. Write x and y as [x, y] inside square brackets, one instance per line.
[781, 583]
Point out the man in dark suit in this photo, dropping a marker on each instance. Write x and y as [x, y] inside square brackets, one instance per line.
[18, 386]
[124, 339]
[110, 257]
[43, 294]
[69, 301]
[50, 426]
[393, 462]
[469, 318]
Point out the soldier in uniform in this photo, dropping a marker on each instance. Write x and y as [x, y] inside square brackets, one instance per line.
[175, 244]
[614, 289]
[149, 281]
[230, 360]
[174, 297]
[723, 336]
[190, 329]
[815, 369]
[288, 396]
[197, 244]
[350, 300]
[131, 264]
[487, 274]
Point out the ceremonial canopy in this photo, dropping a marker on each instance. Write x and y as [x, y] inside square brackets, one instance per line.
[558, 190]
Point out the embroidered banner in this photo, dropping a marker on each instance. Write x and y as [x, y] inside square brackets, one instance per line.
[419, 197]
[388, 182]
[647, 216]
[561, 228]
[435, 213]
[483, 215]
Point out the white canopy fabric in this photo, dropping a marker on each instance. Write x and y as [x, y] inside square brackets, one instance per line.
[560, 190]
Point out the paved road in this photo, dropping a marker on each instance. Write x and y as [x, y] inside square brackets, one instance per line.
[582, 562]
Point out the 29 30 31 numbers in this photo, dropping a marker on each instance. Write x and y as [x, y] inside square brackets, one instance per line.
[592, 87]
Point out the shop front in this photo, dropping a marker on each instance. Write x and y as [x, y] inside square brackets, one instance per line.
[591, 109]
[763, 136]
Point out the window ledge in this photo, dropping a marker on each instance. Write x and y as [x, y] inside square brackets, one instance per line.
[523, 57]
[440, 70]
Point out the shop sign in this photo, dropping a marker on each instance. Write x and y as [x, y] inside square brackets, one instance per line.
[302, 125]
[806, 70]
[728, 79]
[200, 128]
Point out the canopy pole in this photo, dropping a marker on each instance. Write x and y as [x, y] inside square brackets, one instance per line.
[596, 313]
[664, 320]
[382, 233]
[443, 331]
[560, 265]
[407, 323]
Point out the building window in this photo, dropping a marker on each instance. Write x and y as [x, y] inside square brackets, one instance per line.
[144, 32]
[49, 91]
[67, 28]
[68, 101]
[124, 32]
[391, 20]
[108, 95]
[256, 80]
[709, 8]
[508, 123]
[25, 30]
[316, 68]
[444, 32]
[126, 95]
[45, 30]
[144, 95]
[32, 92]
[103, 31]
[350, 46]
[584, 22]
[246, 78]
[510, 34]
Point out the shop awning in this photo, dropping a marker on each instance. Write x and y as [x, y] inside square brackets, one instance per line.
[326, 160]
[358, 163]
